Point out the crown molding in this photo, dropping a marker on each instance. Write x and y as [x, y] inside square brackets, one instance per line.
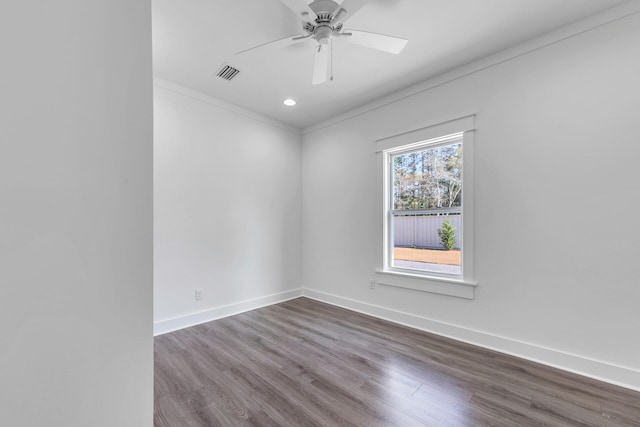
[606, 17]
[185, 91]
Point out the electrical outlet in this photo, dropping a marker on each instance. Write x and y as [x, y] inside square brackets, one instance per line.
[372, 284]
[198, 294]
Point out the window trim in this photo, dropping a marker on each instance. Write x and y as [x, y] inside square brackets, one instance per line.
[462, 285]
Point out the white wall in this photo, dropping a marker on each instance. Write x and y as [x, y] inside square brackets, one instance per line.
[75, 214]
[227, 208]
[557, 132]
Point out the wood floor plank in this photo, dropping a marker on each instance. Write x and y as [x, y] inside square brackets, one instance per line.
[427, 413]
[306, 363]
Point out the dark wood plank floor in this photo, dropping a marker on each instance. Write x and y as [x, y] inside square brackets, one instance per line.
[305, 363]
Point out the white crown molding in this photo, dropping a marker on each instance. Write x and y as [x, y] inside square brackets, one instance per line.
[606, 17]
[169, 325]
[182, 90]
[603, 371]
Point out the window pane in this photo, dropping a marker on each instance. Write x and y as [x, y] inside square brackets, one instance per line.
[426, 208]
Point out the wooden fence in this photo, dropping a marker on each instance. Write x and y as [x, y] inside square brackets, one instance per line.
[420, 228]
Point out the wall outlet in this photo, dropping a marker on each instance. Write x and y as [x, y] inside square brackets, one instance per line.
[198, 294]
[372, 284]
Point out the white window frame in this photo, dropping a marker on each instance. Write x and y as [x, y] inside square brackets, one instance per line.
[445, 133]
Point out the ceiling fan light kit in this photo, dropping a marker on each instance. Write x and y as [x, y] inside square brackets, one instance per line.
[323, 21]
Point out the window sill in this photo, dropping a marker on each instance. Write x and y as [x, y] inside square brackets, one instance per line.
[431, 284]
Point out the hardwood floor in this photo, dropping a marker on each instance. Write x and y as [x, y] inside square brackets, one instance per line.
[305, 363]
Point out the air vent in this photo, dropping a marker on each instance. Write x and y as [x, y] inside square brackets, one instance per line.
[227, 72]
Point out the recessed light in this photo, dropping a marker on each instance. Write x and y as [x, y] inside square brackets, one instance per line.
[289, 102]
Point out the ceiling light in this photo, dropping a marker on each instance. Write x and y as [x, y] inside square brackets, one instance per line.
[289, 102]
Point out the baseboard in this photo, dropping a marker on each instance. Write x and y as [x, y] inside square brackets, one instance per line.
[596, 369]
[169, 325]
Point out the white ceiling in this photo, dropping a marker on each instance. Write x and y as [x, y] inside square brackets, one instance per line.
[192, 38]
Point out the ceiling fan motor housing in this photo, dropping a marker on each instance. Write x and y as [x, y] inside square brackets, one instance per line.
[323, 28]
[324, 9]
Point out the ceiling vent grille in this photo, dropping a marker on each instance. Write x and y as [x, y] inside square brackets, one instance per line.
[227, 72]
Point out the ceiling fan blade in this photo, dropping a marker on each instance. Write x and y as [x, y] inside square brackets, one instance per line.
[301, 9]
[375, 41]
[322, 64]
[287, 41]
[350, 7]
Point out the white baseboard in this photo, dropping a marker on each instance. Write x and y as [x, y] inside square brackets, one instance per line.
[169, 325]
[596, 369]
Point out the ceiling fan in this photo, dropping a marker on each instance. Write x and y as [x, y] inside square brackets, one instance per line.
[322, 21]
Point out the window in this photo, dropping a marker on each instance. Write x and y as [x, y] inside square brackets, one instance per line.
[428, 208]
[425, 206]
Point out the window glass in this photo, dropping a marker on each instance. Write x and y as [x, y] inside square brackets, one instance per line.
[426, 207]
